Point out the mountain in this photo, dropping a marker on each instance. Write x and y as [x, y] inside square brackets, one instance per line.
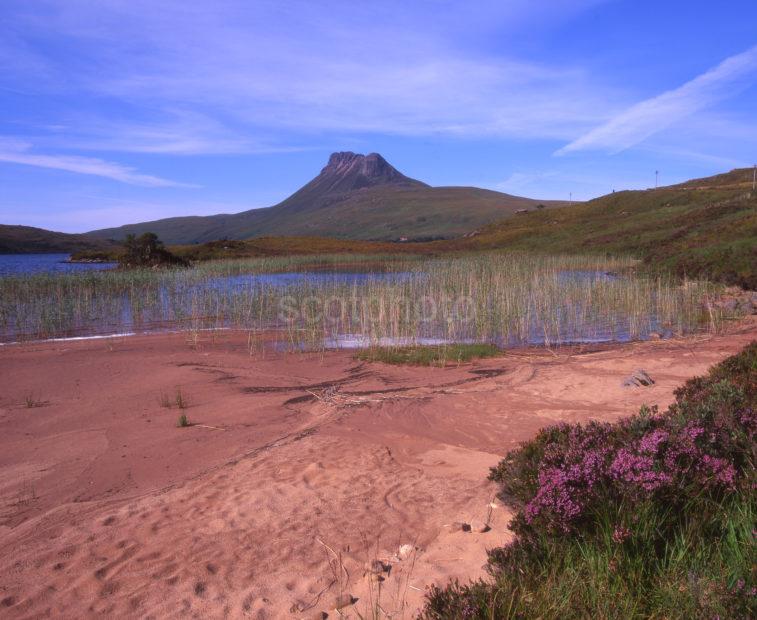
[346, 172]
[700, 228]
[29, 240]
[354, 197]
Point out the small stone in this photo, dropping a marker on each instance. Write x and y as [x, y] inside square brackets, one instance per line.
[655, 335]
[405, 551]
[479, 527]
[343, 600]
[459, 526]
[315, 615]
[638, 378]
[377, 577]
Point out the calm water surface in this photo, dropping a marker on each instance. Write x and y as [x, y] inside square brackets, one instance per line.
[24, 264]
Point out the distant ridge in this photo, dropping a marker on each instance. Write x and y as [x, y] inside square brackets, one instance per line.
[30, 240]
[353, 197]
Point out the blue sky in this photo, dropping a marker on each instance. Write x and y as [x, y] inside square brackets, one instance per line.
[117, 111]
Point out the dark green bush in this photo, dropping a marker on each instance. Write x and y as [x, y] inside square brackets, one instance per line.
[148, 251]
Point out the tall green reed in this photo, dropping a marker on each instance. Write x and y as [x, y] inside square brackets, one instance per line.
[503, 298]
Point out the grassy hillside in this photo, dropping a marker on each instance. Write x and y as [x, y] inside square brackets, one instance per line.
[293, 246]
[386, 212]
[28, 240]
[710, 232]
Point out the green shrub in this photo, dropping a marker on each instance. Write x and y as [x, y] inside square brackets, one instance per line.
[147, 251]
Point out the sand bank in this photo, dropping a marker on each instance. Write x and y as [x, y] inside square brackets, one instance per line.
[299, 469]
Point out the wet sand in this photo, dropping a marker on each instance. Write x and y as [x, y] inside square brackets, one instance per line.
[297, 471]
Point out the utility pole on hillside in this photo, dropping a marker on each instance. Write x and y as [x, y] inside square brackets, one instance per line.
[656, 173]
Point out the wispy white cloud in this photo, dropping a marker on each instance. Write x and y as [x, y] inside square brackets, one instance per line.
[250, 68]
[173, 132]
[648, 117]
[15, 152]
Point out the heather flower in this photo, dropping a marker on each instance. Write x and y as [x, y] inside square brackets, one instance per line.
[651, 442]
[638, 470]
[717, 470]
[620, 534]
[555, 496]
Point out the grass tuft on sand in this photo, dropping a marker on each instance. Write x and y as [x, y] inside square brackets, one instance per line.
[31, 402]
[180, 400]
[436, 355]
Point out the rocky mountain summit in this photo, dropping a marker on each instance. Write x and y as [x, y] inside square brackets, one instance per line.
[346, 171]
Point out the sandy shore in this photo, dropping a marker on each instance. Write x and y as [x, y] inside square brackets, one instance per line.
[298, 470]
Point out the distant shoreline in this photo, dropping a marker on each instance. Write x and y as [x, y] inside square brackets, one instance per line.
[90, 260]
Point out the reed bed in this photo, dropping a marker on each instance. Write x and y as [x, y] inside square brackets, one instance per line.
[506, 299]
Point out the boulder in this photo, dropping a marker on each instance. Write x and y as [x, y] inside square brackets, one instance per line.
[638, 378]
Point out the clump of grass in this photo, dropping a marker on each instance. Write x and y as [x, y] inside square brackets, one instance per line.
[165, 401]
[436, 355]
[651, 517]
[180, 401]
[26, 495]
[31, 402]
[183, 421]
